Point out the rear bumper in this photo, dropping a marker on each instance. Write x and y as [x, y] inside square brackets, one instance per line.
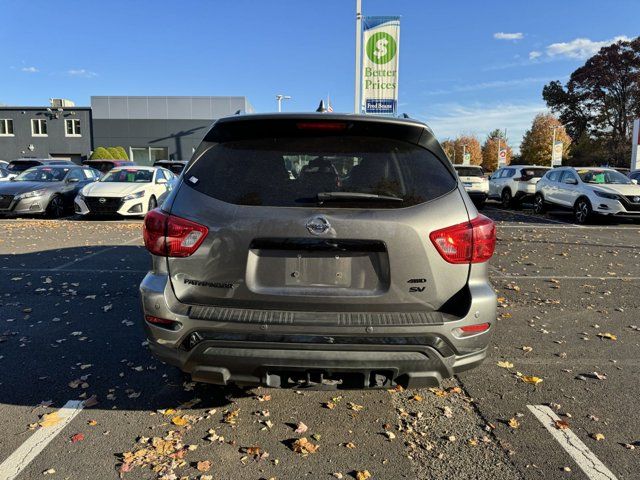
[522, 195]
[300, 367]
[275, 353]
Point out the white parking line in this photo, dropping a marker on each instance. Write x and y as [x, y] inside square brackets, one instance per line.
[569, 226]
[18, 460]
[593, 468]
[91, 255]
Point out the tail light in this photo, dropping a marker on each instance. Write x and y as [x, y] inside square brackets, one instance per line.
[469, 330]
[477, 328]
[171, 236]
[468, 242]
[162, 322]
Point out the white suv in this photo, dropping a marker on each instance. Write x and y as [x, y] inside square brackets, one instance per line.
[588, 191]
[475, 182]
[515, 183]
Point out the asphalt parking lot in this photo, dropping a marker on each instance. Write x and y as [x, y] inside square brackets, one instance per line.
[70, 334]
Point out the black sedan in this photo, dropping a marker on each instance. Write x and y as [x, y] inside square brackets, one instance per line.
[176, 166]
[48, 190]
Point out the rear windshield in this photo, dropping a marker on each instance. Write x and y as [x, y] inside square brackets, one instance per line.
[301, 172]
[533, 172]
[128, 176]
[470, 172]
[21, 166]
[176, 167]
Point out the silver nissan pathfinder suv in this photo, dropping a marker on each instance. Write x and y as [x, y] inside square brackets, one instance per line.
[319, 250]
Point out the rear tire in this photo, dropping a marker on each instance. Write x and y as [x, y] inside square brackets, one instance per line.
[55, 209]
[507, 198]
[538, 204]
[582, 211]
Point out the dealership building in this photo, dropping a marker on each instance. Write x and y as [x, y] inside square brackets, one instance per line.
[149, 128]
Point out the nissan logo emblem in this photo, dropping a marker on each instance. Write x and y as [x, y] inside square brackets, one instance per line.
[103, 200]
[318, 225]
[636, 199]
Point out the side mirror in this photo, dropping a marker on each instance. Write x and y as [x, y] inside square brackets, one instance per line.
[634, 181]
[161, 181]
[571, 181]
[73, 180]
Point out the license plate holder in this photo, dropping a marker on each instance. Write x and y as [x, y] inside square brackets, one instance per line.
[318, 269]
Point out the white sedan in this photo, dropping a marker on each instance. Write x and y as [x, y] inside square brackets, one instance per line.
[127, 191]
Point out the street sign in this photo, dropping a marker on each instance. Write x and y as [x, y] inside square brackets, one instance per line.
[502, 157]
[466, 159]
[381, 45]
[556, 155]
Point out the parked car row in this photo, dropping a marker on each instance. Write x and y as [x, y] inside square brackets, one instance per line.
[587, 191]
[54, 188]
[13, 168]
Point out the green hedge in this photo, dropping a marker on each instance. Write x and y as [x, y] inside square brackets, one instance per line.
[101, 153]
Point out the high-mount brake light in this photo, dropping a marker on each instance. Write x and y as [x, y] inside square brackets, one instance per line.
[171, 236]
[321, 126]
[468, 242]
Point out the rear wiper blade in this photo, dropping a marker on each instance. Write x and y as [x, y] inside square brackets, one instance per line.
[355, 196]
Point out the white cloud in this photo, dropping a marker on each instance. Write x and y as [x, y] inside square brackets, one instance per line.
[492, 84]
[81, 72]
[451, 120]
[534, 54]
[580, 48]
[29, 69]
[508, 36]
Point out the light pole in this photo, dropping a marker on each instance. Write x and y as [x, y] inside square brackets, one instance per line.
[356, 101]
[464, 153]
[553, 142]
[279, 99]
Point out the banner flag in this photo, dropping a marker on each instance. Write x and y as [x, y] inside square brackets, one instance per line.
[381, 44]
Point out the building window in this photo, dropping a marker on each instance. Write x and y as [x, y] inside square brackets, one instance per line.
[38, 127]
[148, 155]
[72, 127]
[6, 127]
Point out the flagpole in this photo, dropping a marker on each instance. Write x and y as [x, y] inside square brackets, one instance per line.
[356, 100]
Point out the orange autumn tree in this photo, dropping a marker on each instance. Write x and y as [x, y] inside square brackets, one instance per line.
[490, 150]
[470, 144]
[536, 144]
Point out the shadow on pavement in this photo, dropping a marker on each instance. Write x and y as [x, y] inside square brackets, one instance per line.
[71, 334]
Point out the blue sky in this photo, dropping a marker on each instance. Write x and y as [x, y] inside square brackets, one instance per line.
[465, 66]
